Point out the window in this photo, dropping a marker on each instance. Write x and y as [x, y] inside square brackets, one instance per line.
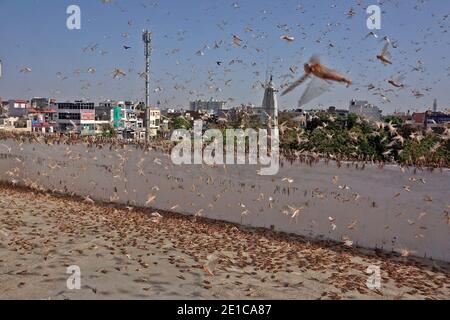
[69, 116]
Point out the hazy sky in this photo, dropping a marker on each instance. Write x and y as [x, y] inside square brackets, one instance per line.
[191, 35]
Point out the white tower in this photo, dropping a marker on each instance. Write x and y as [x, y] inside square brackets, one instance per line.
[270, 105]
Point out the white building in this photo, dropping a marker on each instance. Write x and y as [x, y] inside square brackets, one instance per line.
[155, 121]
[365, 109]
[15, 124]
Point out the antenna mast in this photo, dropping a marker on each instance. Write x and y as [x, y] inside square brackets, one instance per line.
[147, 38]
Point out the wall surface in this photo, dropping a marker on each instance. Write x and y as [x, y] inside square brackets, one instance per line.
[387, 208]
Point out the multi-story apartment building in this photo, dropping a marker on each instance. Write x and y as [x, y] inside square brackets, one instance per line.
[103, 112]
[211, 106]
[76, 117]
[126, 122]
[155, 121]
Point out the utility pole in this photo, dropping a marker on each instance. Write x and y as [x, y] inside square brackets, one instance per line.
[147, 38]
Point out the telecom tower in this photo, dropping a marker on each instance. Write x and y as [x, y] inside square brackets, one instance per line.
[147, 38]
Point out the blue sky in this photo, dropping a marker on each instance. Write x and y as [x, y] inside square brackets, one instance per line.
[33, 34]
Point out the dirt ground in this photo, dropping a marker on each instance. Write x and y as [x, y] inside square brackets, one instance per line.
[130, 253]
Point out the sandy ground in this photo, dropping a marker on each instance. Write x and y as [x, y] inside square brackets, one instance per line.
[128, 253]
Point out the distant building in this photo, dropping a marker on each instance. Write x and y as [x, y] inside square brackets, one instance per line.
[15, 124]
[76, 116]
[337, 112]
[437, 118]
[17, 108]
[39, 103]
[126, 120]
[103, 115]
[123, 116]
[107, 103]
[3, 106]
[418, 118]
[155, 121]
[365, 109]
[168, 111]
[211, 106]
[43, 120]
[192, 115]
[405, 117]
[103, 111]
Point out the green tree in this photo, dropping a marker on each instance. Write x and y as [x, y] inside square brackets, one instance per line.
[352, 118]
[181, 123]
[394, 120]
[107, 130]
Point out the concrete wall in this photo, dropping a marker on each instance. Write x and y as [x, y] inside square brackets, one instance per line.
[385, 208]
